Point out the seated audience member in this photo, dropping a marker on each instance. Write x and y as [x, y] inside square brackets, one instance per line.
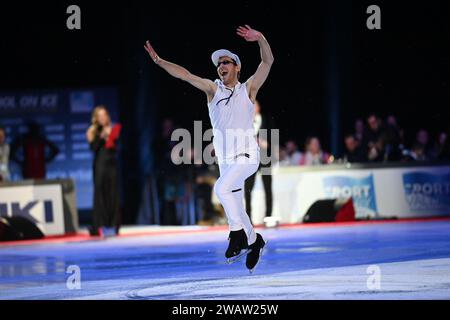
[380, 143]
[359, 129]
[444, 152]
[313, 153]
[373, 131]
[292, 155]
[391, 143]
[392, 122]
[438, 145]
[375, 152]
[282, 160]
[353, 151]
[417, 153]
[423, 138]
[371, 142]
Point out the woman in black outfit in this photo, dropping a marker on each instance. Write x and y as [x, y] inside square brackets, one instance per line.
[102, 137]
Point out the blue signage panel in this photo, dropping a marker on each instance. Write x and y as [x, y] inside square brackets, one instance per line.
[360, 189]
[64, 116]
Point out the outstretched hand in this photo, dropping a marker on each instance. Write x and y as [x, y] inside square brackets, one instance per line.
[248, 33]
[151, 51]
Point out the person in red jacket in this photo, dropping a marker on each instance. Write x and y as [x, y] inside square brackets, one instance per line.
[103, 136]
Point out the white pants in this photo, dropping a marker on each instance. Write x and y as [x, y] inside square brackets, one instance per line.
[229, 188]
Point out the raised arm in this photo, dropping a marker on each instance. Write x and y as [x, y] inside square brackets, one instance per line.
[256, 81]
[179, 72]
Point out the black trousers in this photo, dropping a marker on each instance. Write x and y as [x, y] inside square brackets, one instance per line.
[250, 183]
[106, 210]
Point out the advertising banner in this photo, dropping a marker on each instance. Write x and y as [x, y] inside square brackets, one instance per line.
[400, 192]
[43, 205]
[63, 116]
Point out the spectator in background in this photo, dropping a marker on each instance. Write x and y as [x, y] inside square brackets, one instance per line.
[167, 173]
[292, 155]
[282, 157]
[33, 151]
[359, 129]
[102, 137]
[392, 122]
[417, 153]
[163, 144]
[390, 141]
[372, 144]
[313, 153]
[373, 131]
[444, 152]
[423, 138]
[261, 121]
[202, 178]
[439, 144]
[353, 151]
[4, 156]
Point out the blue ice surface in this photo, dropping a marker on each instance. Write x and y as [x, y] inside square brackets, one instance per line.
[117, 268]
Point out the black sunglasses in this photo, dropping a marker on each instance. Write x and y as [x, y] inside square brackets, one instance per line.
[225, 62]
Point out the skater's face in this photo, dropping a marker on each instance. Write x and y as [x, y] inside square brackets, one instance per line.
[228, 70]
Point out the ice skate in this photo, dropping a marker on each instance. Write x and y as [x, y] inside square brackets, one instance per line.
[255, 253]
[237, 247]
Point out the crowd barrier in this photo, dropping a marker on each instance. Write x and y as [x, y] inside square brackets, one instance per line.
[379, 190]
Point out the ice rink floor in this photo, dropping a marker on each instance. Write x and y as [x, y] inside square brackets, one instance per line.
[394, 260]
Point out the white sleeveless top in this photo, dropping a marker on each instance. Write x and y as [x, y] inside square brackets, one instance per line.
[231, 112]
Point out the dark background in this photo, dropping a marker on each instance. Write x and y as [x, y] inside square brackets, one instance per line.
[329, 68]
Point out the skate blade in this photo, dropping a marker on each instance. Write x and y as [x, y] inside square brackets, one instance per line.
[239, 256]
[260, 257]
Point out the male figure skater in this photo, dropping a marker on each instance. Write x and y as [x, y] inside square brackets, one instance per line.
[231, 109]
